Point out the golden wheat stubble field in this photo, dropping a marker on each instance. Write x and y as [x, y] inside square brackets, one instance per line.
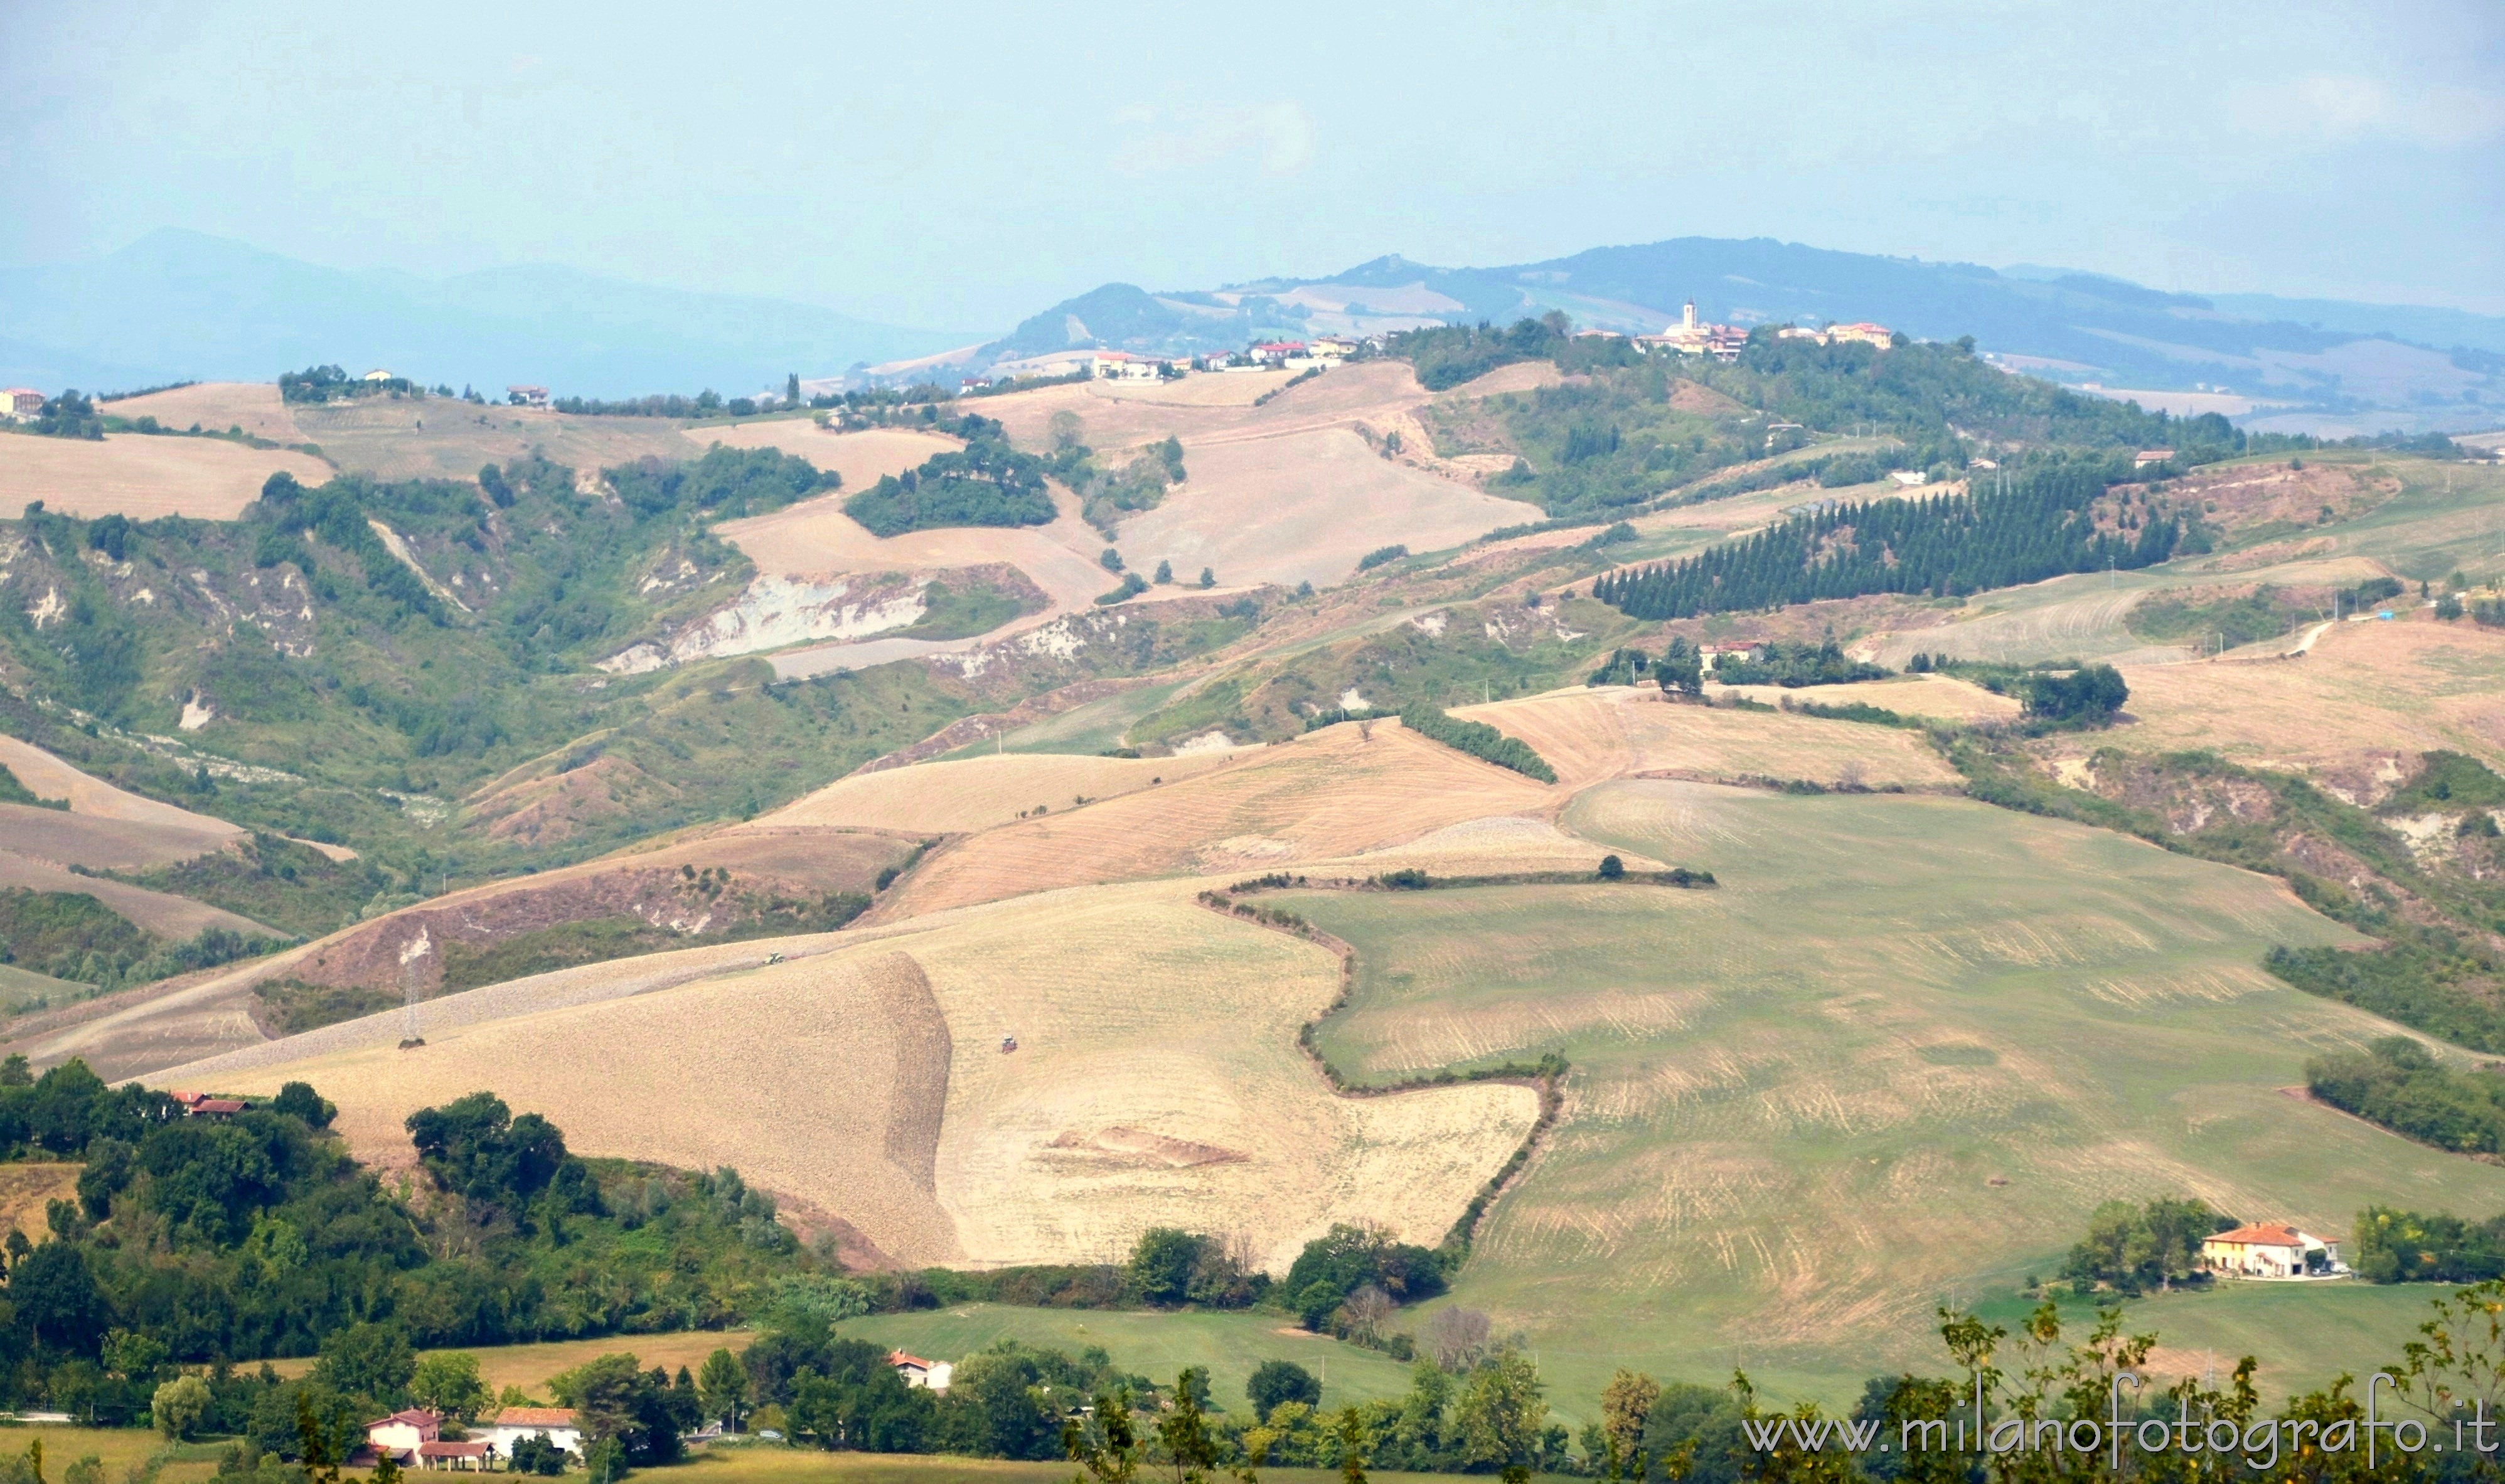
[2364, 699]
[861, 458]
[1895, 1058]
[215, 407]
[978, 792]
[1304, 506]
[49, 777]
[143, 477]
[1589, 734]
[1328, 794]
[1156, 1081]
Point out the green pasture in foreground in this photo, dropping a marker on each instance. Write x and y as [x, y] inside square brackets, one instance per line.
[1154, 1345]
[770, 1464]
[1893, 1061]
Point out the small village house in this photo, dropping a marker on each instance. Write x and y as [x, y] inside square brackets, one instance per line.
[21, 404]
[2147, 456]
[469, 1456]
[917, 1371]
[2270, 1250]
[1121, 365]
[558, 1425]
[401, 1435]
[527, 396]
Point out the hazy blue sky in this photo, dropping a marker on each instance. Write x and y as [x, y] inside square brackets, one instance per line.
[961, 165]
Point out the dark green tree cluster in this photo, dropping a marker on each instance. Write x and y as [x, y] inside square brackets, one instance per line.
[501, 1165]
[1170, 1267]
[1009, 1401]
[629, 1416]
[1478, 739]
[258, 1235]
[2090, 696]
[1776, 664]
[1347, 1258]
[69, 415]
[317, 384]
[2130, 1248]
[986, 482]
[2397, 1082]
[72, 935]
[2387, 1245]
[725, 483]
[1948, 547]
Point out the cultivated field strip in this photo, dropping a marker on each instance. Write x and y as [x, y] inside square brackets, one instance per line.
[1592, 734]
[216, 406]
[978, 792]
[2364, 693]
[144, 477]
[1304, 506]
[1329, 794]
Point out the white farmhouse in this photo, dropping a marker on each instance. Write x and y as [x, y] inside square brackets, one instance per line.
[558, 1425]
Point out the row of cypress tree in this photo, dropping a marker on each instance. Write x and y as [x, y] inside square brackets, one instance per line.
[1951, 545]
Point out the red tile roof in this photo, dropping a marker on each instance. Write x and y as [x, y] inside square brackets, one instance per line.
[2262, 1234]
[900, 1357]
[220, 1106]
[416, 1417]
[536, 1417]
[472, 1450]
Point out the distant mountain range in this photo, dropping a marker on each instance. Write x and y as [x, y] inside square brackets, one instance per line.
[2333, 366]
[182, 305]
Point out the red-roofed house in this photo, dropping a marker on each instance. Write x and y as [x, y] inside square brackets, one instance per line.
[403, 1433]
[918, 1372]
[558, 1425]
[2270, 1250]
[215, 1108]
[2147, 456]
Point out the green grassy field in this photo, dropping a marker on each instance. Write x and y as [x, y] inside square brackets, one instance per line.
[1154, 1345]
[1892, 1062]
[1085, 731]
[773, 1465]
